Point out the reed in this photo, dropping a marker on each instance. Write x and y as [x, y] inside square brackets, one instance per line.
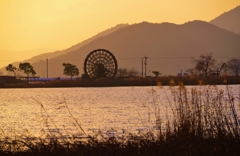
[201, 121]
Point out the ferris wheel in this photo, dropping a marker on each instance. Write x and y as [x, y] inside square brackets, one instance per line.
[100, 63]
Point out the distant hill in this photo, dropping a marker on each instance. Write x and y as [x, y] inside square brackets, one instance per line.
[168, 46]
[42, 57]
[21, 55]
[229, 20]
[74, 47]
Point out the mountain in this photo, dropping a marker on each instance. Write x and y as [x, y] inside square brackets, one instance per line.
[22, 55]
[74, 47]
[229, 20]
[169, 47]
[48, 55]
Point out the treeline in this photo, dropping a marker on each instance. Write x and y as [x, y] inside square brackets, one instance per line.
[139, 81]
[206, 65]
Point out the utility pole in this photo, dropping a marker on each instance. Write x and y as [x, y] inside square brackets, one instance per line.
[142, 66]
[145, 65]
[47, 66]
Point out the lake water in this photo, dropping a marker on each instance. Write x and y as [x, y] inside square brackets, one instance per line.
[39, 110]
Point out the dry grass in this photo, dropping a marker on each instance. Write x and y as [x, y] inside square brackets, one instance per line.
[204, 121]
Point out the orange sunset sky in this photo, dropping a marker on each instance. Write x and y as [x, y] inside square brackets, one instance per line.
[58, 24]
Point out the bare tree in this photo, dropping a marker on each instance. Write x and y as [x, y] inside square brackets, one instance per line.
[218, 68]
[123, 72]
[191, 71]
[133, 73]
[204, 64]
[234, 66]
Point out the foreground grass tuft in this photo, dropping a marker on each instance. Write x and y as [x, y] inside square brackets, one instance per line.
[204, 121]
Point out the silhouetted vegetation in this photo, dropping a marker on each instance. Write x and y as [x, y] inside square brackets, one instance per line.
[203, 122]
[234, 66]
[156, 73]
[70, 70]
[11, 68]
[27, 69]
[204, 64]
[137, 81]
[124, 72]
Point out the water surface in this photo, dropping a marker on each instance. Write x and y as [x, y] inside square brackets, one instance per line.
[35, 111]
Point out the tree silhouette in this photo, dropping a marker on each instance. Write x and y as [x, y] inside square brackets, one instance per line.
[133, 73]
[156, 73]
[234, 65]
[122, 72]
[27, 69]
[70, 70]
[204, 64]
[219, 68]
[11, 68]
[191, 71]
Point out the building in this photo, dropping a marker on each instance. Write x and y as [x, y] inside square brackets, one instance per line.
[7, 79]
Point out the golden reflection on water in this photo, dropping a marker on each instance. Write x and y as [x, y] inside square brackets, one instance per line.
[68, 110]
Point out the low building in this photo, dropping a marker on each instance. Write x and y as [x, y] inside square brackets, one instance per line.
[29, 78]
[7, 79]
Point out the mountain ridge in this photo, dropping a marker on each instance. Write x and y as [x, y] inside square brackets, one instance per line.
[76, 46]
[229, 20]
[177, 43]
[169, 41]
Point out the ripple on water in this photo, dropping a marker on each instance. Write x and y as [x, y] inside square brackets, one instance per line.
[131, 108]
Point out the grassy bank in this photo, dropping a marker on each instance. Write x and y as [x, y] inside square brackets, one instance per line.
[103, 82]
[202, 121]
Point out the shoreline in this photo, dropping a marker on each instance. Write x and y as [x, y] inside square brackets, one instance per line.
[118, 82]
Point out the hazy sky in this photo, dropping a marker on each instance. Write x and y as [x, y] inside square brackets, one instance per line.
[59, 24]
